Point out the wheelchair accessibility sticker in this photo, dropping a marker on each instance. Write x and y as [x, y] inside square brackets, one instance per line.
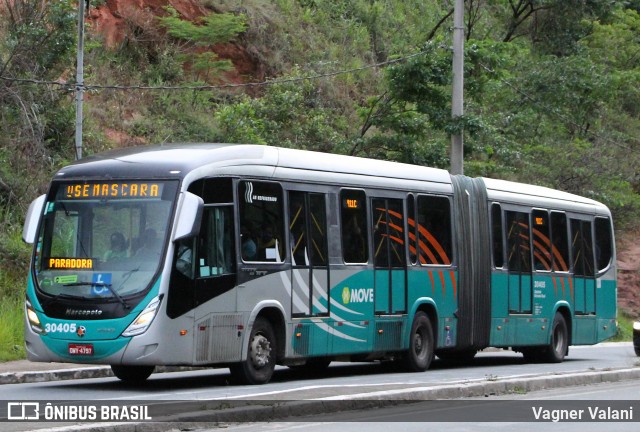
[99, 283]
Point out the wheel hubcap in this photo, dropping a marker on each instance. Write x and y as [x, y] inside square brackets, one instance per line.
[260, 351]
[418, 343]
[559, 338]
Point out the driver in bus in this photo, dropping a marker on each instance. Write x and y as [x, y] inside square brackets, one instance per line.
[118, 247]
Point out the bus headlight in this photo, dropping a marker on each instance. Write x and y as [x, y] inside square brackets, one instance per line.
[34, 321]
[144, 320]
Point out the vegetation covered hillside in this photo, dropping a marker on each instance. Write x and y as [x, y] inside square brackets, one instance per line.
[552, 89]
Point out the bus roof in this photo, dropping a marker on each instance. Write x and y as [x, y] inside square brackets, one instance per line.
[193, 161]
[502, 190]
[178, 161]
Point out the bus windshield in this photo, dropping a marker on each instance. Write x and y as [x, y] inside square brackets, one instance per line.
[102, 240]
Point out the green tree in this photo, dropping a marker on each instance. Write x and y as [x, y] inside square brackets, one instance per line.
[36, 42]
[214, 29]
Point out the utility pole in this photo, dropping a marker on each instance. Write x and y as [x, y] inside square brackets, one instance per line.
[457, 107]
[80, 77]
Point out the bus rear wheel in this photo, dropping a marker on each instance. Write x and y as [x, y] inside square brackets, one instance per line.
[557, 348]
[261, 358]
[132, 374]
[420, 353]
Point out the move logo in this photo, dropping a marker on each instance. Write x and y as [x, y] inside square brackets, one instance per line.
[357, 295]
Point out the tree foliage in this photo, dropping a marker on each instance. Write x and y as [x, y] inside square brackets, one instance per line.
[36, 41]
[214, 29]
[541, 80]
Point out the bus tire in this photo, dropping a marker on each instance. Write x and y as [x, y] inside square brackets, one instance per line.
[132, 374]
[261, 357]
[421, 347]
[559, 343]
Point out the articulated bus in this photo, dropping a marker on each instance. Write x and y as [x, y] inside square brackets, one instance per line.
[245, 257]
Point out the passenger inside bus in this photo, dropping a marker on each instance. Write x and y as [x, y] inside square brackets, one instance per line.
[150, 245]
[184, 258]
[118, 247]
[249, 247]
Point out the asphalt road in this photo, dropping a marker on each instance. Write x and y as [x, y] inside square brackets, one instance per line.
[491, 373]
[416, 417]
[339, 379]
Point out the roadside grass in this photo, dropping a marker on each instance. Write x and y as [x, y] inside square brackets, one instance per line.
[11, 329]
[625, 329]
[14, 261]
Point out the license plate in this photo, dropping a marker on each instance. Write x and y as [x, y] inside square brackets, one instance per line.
[81, 349]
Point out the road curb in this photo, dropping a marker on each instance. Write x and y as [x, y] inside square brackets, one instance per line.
[73, 373]
[54, 375]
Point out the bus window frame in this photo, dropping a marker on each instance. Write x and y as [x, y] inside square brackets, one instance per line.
[567, 240]
[611, 236]
[284, 207]
[532, 225]
[452, 245]
[500, 207]
[365, 229]
[582, 218]
[411, 212]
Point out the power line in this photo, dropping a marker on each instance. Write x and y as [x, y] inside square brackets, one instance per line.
[89, 87]
[66, 86]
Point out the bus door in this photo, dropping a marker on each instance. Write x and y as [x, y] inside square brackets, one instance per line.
[215, 264]
[309, 261]
[584, 286]
[388, 256]
[519, 262]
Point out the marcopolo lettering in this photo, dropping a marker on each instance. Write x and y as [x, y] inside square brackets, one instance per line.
[83, 312]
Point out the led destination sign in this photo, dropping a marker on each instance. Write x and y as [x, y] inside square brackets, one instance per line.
[142, 190]
[69, 263]
[351, 203]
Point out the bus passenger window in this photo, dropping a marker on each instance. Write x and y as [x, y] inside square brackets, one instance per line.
[496, 233]
[215, 249]
[184, 257]
[582, 247]
[518, 248]
[434, 230]
[560, 244]
[307, 229]
[413, 249]
[261, 221]
[604, 243]
[355, 245]
[542, 260]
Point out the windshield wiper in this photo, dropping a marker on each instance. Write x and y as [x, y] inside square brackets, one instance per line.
[126, 276]
[101, 284]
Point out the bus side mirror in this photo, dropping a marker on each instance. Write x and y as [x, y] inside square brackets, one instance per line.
[189, 216]
[30, 229]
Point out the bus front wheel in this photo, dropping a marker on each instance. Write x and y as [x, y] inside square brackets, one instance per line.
[132, 374]
[420, 353]
[261, 358]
